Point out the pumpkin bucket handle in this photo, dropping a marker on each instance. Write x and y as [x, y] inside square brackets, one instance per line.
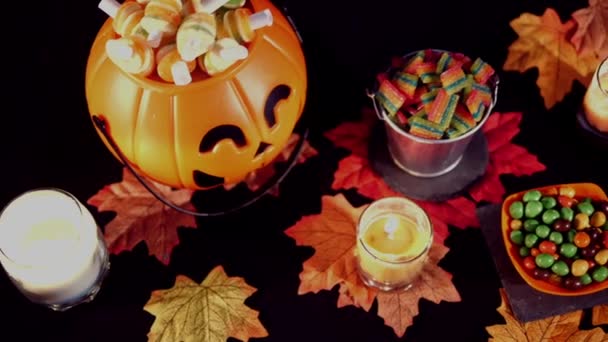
[101, 124]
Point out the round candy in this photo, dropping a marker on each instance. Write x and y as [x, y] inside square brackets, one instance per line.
[603, 207]
[529, 263]
[544, 260]
[580, 267]
[530, 225]
[582, 240]
[547, 247]
[601, 258]
[524, 251]
[598, 219]
[567, 214]
[568, 250]
[517, 237]
[581, 221]
[539, 273]
[561, 225]
[548, 202]
[534, 251]
[586, 279]
[516, 224]
[532, 195]
[600, 274]
[550, 216]
[542, 231]
[572, 283]
[556, 237]
[516, 210]
[530, 240]
[571, 234]
[585, 207]
[560, 268]
[533, 209]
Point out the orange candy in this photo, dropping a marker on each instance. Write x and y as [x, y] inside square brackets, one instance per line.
[529, 263]
[582, 240]
[534, 252]
[547, 247]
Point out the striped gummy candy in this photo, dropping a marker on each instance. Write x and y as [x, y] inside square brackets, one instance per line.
[444, 62]
[425, 128]
[482, 71]
[453, 80]
[428, 98]
[407, 83]
[462, 120]
[390, 97]
[426, 72]
[443, 108]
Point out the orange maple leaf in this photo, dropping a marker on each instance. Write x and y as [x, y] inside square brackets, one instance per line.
[141, 217]
[591, 36]
[557, 328]
[543, 43]
[600, 314]
[257, 178]
[332, 234]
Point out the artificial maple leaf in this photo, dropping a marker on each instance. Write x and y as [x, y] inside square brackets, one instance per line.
[557, 328]
[505, 157]
[600, 314]
[543, 44]
[257, 178]
[332, 234]
[142, 217]
[210, 311]
[591, 34]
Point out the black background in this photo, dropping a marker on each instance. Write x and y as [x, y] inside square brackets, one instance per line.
[48, 140]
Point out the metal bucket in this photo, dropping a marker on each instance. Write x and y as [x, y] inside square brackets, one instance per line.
[423, 157]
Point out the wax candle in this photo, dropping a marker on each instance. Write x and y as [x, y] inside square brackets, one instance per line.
[51, 248]
[394, 236]
[596, 99]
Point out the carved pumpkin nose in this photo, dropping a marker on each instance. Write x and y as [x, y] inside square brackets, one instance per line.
[262, 148]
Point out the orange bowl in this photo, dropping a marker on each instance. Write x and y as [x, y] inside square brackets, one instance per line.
[582, 190]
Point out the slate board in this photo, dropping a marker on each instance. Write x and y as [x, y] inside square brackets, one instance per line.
[470, 169]
[527, 303]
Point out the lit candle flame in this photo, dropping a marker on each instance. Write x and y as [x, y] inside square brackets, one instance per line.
[391, 226]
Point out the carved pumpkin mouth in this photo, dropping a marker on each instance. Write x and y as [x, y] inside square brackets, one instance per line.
[205, 180]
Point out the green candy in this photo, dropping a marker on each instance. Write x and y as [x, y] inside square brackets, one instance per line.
[544, 260]
[548, 202]
[567, 214]
[571, 234]
[556, 237]
[587, 200]
[543, 231]
[560, 268]
[517, 237]
[530, 240]
[550, 216]
[585, 208]
[605, 226]
[530, 225]
[568, 250]
[533, 209]
[516, 210]
[532, 195]
[524, 251]
[586, 279]
[600, 274]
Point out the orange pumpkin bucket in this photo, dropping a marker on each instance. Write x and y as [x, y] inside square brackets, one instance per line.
[210, 132]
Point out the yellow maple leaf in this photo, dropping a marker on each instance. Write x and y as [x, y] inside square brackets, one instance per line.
[543, 43]
[562, 328]
[210, 311]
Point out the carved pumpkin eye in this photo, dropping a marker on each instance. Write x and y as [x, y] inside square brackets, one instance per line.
[280, 92]
[220, 133]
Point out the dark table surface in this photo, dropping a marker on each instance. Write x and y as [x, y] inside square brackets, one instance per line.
[48, 140]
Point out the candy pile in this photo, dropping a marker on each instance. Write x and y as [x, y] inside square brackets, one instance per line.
[562, 239]
[174, 36]
[437, 95]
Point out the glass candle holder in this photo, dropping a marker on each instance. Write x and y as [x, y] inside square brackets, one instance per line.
[52, 249]
[595, 103]
[394, 236]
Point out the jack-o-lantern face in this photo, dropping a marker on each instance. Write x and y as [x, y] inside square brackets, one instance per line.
[212, 131]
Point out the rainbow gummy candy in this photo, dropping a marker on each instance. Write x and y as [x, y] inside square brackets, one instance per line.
[444, 62]
[453, 133]
[428, 98]
[421, 113]
[482, 71]
[434, 85]
[443, 108]
[484, 90]
[462, 120]
[424, 128]
[390, 97]
[413, 63]
[426, 72]
[469, 84]
[407, 83]
[475, 102]
[453, 80]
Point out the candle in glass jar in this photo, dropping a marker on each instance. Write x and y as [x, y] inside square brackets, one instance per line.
[596, 99]
[51, 248]
[394, 237]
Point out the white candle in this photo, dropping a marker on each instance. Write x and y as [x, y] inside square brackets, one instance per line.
[596, 99]
[51, 248]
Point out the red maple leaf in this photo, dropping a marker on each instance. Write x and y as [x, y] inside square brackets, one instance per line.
[141, 217]
[505, 157]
